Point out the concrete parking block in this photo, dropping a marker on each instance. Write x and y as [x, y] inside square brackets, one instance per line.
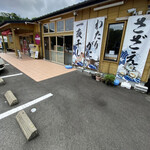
[10, 97]
[26, 125]
[2, 82]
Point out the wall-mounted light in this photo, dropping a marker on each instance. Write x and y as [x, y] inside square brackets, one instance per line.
[30, 22]
[55, 19]
[109, 5]
[122, 18]
[75, 13]
[133, 11]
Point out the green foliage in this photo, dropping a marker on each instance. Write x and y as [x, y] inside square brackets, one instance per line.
[10, 17]
[109, 79]
[34, 18]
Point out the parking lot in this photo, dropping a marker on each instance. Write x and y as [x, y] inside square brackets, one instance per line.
[82, 114]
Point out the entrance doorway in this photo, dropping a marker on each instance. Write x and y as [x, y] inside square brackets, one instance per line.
[24, 43]
[61, 49]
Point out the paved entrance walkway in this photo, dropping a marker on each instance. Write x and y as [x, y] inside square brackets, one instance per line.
[38, 70]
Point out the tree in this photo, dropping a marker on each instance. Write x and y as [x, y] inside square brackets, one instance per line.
[10, 17]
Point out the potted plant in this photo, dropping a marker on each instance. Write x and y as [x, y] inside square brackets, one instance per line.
[109, 79]
[98, 77]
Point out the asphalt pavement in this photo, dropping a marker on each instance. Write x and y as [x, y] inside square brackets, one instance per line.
[82, 114]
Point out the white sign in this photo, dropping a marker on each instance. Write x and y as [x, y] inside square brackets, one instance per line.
[79, 38]
[94, 42]
[36, 54]
[135, 48]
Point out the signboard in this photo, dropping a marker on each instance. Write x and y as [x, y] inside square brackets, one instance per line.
[37, 39]
[79, 38]
[34, 50]
[4, 33]
[135, 48]
[93, 42]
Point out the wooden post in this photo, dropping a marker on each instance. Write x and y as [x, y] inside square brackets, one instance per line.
[14, 41]
[3, 44]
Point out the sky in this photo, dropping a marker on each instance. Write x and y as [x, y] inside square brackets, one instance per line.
[34, 8]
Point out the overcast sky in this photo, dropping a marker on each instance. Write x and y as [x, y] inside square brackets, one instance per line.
[34, 8]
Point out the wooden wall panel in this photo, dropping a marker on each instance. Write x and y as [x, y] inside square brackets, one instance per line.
[146, 71]
[113, 68]
[104, 67]
[18, 47]
[102, 13]
[85, 14]
[93, 14]
[112, 13]
[79, 16]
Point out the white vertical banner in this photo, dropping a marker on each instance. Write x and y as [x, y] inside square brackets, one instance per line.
[135, 48]
[93, 42]
[79, 38]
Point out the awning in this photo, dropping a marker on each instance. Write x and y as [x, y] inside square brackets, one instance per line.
[6, 32]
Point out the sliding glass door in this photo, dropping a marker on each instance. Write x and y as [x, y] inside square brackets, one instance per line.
[46, 47]
[61, 49]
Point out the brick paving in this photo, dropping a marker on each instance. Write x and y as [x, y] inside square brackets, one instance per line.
[37, 69]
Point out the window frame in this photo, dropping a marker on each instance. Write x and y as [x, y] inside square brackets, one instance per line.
[63, 26]
[73, 25]
[105, 41]
[49, 28]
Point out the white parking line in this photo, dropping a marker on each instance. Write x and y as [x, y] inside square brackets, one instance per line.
[6, 64]
[13, 75]
[12, 111]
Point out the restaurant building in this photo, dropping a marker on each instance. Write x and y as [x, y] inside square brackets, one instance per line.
[58, 32]
[20, 34]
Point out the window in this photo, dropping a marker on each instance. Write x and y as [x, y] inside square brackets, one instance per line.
[69, 24]
[113, 41]
[60, 26]
[52, 27]
[45, 26]
[53, 43]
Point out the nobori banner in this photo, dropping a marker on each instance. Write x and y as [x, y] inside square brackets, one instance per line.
[93, 42]
[79, 38]
[135, 48]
